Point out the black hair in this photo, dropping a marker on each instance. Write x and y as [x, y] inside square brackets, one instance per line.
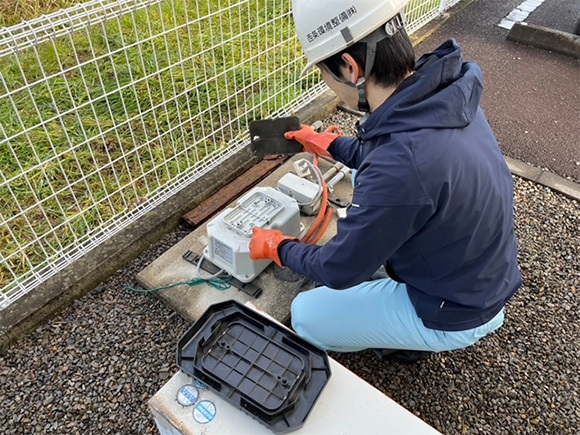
[394, 59]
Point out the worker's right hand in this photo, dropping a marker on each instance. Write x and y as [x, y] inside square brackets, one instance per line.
[313, 142]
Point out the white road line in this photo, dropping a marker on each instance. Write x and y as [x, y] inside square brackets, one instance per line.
[520, 13]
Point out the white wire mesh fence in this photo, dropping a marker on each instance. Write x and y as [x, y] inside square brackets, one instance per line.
[110, 107]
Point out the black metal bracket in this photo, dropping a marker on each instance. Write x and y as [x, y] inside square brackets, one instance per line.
[246, 287]
[338, 201]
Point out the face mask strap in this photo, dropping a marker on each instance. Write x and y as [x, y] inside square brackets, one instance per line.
[386, 31]
[344, 81]
[372, 40]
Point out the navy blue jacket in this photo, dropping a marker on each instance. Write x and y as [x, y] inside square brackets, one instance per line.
[433, 201]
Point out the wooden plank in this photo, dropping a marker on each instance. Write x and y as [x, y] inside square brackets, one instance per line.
[236, 188]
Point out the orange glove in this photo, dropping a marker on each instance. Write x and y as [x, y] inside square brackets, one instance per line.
[265, 244]
[315, 143]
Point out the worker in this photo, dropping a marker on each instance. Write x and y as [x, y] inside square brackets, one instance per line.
[432, 200]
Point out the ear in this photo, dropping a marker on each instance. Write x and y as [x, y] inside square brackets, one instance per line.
[354, 70]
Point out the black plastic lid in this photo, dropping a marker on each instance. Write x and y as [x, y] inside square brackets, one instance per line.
[255, 363]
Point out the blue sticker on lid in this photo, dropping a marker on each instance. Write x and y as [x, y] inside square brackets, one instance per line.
[187, 395]
[204, 412]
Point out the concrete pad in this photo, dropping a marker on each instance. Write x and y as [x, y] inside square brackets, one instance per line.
[192, 302]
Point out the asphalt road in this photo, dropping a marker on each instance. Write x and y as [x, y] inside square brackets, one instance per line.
[532, 96]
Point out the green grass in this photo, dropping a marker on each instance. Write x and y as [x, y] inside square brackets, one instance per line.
[103, 177]
[15, 11]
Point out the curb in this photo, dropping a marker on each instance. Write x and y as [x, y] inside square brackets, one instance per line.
[546, 39]
[555, 182]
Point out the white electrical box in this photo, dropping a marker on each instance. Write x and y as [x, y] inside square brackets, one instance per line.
[231, 231]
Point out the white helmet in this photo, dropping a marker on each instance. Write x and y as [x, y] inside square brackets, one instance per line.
[326, 27]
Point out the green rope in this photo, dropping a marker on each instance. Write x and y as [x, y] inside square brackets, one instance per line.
[217, 283]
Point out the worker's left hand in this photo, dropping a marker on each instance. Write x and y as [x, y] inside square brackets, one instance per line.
[265, 244]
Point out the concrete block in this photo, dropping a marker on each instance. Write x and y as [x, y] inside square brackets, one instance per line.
[4, 342]
[545, 178]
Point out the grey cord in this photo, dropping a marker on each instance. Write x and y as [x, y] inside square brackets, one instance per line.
[318, 175]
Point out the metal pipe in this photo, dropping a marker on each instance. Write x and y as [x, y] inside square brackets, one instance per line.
[332, 171]
[341, 174]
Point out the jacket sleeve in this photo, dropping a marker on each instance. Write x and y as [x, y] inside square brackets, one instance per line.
[364, 241]
[389, 207]
[346, 150]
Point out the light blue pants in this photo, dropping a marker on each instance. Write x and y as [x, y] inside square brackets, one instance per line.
[374, 314]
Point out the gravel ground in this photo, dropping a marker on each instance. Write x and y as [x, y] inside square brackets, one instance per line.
[93, 367]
